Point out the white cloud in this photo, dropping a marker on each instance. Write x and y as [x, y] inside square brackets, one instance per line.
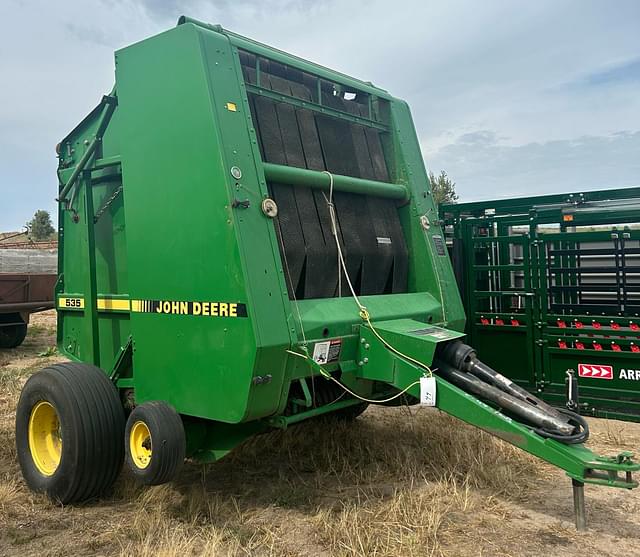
[485, 166]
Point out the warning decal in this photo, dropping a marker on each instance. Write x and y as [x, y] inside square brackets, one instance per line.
[596, 371]
[328, 351]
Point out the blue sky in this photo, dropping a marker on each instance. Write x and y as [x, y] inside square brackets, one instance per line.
[509, 97]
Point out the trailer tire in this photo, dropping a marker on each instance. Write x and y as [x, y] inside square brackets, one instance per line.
[12, 336]
[155, 443]
[69, 426]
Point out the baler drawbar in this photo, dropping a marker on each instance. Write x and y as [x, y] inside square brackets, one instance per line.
[248, 240]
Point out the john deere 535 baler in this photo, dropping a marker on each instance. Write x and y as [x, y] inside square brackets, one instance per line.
[248, 240]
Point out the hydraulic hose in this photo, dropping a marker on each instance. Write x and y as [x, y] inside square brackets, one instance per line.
[462, 356]
[525, 411]
[581, 429]
[480, 380]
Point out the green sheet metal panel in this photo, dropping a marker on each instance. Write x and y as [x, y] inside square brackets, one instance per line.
[181, 196]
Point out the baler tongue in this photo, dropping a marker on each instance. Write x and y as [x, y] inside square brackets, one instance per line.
[487, 400]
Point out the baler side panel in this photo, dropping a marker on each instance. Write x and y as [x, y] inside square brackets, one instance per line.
[74, 330]
[271, 313]
[182, 231]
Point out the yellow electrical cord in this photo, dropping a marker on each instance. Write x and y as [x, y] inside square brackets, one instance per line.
[364, 313]
[327, 375]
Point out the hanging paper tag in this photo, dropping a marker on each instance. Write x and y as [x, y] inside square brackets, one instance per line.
[428, 391]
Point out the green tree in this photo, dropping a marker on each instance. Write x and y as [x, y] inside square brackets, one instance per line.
[443, 188]
[40, 227]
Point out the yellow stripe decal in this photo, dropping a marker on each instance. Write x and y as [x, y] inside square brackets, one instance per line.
[114, 305]
[166, 307]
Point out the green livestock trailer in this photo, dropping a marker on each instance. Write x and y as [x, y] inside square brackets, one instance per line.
[248, 240]
[551, 288]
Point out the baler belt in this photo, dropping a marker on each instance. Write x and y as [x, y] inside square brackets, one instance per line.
[316, 281]
[369, 227]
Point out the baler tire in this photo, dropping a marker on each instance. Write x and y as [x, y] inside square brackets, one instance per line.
[166, 445]
[69, 427]
[12, 336]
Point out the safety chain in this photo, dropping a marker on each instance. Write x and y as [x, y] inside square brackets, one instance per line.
[108, 203]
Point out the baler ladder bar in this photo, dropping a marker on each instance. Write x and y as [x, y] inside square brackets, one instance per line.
[109, 103]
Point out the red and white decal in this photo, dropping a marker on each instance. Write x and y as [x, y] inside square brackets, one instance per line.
[598, 371]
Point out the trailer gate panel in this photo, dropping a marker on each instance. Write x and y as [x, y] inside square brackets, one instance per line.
[552, 285]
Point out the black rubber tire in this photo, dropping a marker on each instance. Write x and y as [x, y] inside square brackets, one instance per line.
[168, 442]
[12, 336]
[91, 420]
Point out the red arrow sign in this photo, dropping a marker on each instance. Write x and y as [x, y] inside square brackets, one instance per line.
[596, 371]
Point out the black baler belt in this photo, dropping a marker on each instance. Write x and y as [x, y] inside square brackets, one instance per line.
[323, 284]
[250, 74]
[352, 217]
[290, 228]
[288, 123]
[300, 91]
[378, 258]
[337, 146]
[368, 228]
[310, 140]
[316, 281]
[377, 156]
[279, 84]
[379, 275]
[363, 158]
[269, 130]
[400, 252]
[290, 233]
[339, 157]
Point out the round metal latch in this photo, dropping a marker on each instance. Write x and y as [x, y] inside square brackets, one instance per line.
[236, 172]
[269, 207]
[424, 221]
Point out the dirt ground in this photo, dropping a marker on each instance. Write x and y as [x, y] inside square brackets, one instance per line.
[397, 482]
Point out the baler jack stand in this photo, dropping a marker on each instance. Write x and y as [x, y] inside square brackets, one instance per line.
[578, 505]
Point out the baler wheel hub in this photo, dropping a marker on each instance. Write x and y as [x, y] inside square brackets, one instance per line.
[45, 441]
[140, 445]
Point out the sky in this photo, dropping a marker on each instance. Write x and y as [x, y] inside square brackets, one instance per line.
[508, 97]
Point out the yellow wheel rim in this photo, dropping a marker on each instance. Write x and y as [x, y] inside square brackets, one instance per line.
[45, 439]
[140, 445]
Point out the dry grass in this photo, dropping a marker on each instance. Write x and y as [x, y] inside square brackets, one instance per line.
[397, 482]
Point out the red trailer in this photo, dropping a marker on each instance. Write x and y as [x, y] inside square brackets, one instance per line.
[27, 280]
